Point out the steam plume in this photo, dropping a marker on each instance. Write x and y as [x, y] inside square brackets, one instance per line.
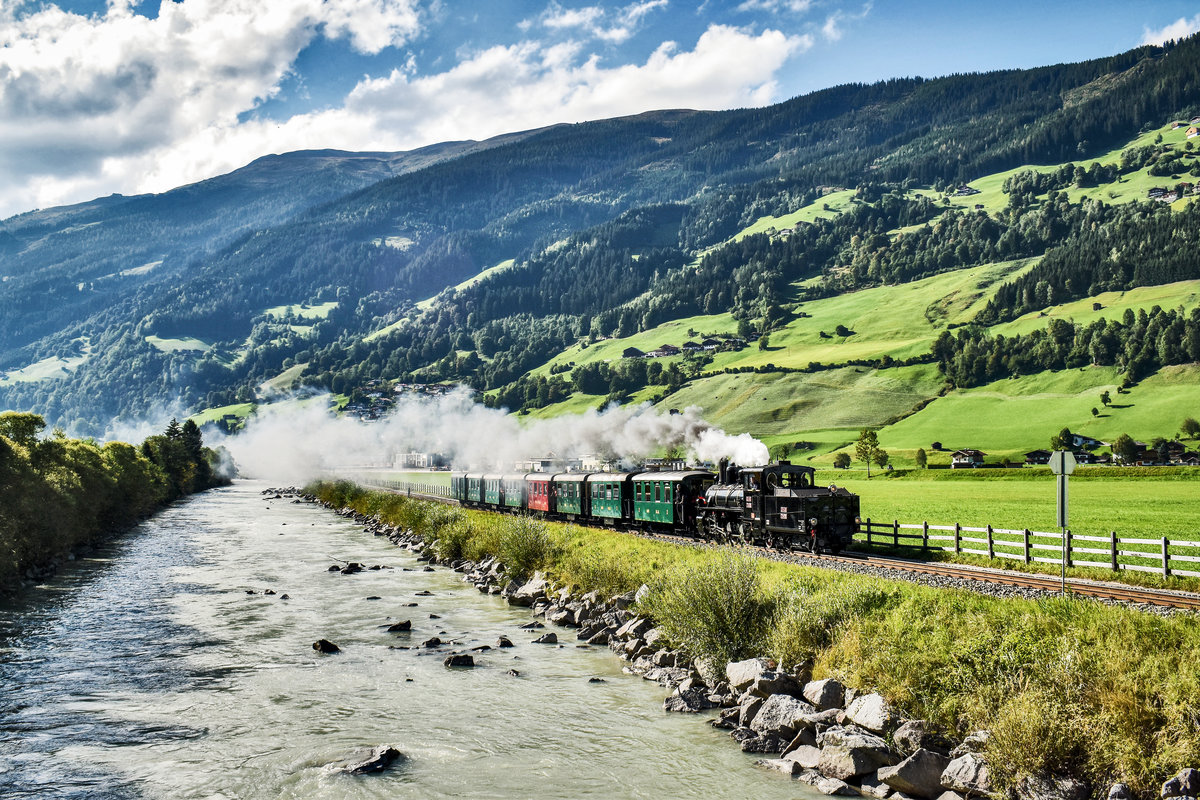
[295, 443]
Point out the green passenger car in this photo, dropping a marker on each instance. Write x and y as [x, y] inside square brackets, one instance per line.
[570, 493]
[491, 489]
[609, 495]
[514, 491]
[668, 498]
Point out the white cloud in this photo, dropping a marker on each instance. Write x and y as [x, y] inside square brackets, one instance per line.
[84, 99]
[160, 103]
[775, 6]
[1179, 29]
[615, 26]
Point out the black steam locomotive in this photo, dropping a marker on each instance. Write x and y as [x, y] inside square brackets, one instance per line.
[778, 505]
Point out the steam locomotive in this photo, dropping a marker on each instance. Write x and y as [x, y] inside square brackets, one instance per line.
[778, 505]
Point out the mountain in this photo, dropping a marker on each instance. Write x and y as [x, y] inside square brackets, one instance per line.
[493, 263]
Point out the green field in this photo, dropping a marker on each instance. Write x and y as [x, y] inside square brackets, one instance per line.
[178, 345]
[1013, 416]
[1183, 294]
[239, 410]
[827, 207]
[302, 310]
[49, 368]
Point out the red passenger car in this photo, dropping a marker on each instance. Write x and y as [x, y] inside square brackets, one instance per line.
[541, 498]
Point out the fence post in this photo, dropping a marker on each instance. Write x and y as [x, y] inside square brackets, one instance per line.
[895, 533]
[925, 534]
[1026, 537]
[868, 530]
[1112, 544]
[1070, 560]
[957, 538]
[1165, 564]
[991, 550]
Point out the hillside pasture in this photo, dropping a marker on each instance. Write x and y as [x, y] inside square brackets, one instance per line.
[1013, 416]
[302, 310]
[178, 344]
[826, 207]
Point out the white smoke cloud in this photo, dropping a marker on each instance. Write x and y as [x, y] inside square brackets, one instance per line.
[295, 443]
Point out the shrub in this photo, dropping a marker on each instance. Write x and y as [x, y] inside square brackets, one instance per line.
[716, 609]
[526, 546]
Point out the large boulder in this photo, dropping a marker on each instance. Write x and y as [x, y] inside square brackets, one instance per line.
[775, 682]
[1185, 784]
[531, 591]
[1038, 787]
[848, 752]
[825, 694]
[365, 762]
[919, 775]
[914, 735]
[688, 700]
[872, 712]
[782, 715]
[741, 674]
[968, 775]
[459, 660]
[805, 755]
[780, 764]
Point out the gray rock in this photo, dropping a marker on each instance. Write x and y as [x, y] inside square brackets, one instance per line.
[781, 714]
[950, 795]
[805, 756]
[504, 641]
[687, 701]
[871, 786]
[1120, 791]
[599, 639]
[459, 660]
[913, 735]
[531, 591]
[764, 743]
[872, 712]
[376, 759]
[824, 719]
[547, 638]
[742, 674]
[641, 593]
[1046, 788]
[667, 676]
[326, 646]
[635, 628]
[920, 774]
[825, 694]
[747, 709]
[805, 738]
[653, 637]
[624, 601]
[968, 775]
[780, 764]
[561, 616]
[400, 627]
[1185, 784]
[974, 743]
[848, 752]
[775, 682]
[726, 720]
[835, 787]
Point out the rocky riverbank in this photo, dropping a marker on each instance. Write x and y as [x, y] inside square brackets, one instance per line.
[841, 740]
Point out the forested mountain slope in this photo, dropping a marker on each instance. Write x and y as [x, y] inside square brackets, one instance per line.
[612, 228]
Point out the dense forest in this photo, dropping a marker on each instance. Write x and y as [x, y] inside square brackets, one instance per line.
[61, 494]
[608, 228]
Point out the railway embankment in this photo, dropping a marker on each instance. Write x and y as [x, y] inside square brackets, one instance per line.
[856, 685]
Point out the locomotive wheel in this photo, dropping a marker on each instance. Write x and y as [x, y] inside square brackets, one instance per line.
[712, 529]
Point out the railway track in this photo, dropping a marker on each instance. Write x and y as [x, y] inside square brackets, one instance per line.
[1100, 590]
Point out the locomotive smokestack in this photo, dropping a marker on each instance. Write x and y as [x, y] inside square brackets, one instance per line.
[723, 470]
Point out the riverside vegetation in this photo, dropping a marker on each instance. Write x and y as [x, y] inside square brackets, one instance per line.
[61, 493]
[1067, 688]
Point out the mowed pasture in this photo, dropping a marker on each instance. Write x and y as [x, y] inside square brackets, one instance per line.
[1013, 416]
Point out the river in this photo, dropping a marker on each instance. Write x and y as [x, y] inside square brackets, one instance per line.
[149, 671]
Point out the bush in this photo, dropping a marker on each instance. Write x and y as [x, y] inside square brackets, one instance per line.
[715, 610]
[526, 546]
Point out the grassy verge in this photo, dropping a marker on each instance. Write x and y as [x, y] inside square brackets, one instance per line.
[1065, 686]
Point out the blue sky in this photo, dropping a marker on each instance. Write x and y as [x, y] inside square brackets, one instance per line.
[125, 96]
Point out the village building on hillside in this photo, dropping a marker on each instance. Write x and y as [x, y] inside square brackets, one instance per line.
[965, 459]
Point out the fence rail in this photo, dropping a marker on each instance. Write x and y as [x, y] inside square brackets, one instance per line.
[1161, 556]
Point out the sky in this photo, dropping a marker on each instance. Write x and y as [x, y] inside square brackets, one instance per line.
[132, 96]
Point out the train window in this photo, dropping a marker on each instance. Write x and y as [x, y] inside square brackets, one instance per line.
[657, 492]
[667, 493]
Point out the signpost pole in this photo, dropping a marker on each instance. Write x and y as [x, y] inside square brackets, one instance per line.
[1062, 464]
